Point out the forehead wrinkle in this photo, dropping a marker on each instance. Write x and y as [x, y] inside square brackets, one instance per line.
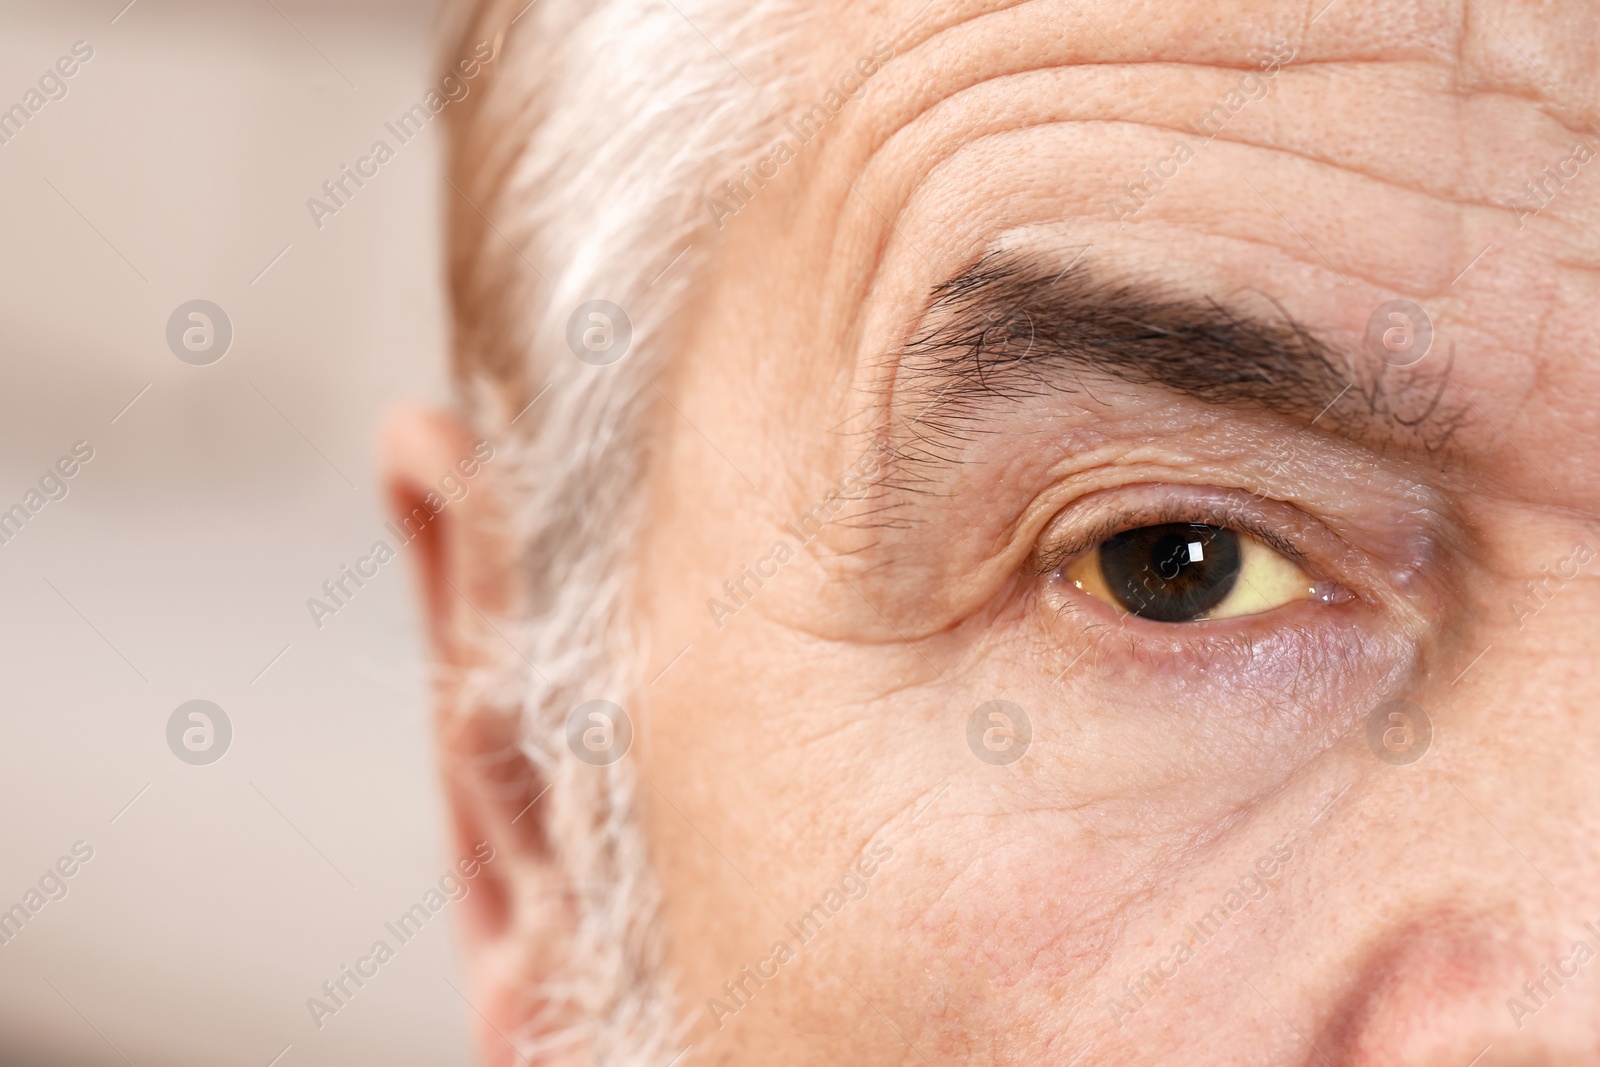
[868, 137]
[938, 147]
[883, 154]
[1228, 135]
[887, 368]
[1469, 76]
[924, 334]
[932, 151]
[1483, 53]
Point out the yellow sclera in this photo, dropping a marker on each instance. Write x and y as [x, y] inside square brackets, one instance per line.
[1267, 580]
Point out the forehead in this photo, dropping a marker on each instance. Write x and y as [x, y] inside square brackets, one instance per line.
[1330, 157]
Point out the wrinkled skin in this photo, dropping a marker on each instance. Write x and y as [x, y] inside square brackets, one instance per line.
[1376, 912]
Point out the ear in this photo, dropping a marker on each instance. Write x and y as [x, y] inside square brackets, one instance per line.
[441, 485]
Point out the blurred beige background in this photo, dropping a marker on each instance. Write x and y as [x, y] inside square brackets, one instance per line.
[179, 564]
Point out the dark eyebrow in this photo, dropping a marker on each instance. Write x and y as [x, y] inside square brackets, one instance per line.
[1012, 328]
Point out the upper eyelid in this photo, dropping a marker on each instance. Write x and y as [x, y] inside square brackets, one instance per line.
[1047, 560]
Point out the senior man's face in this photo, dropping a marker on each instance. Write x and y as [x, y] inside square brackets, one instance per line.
[1119, 584]
[1077, 714]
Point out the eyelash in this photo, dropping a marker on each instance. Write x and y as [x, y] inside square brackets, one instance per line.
[1048, 560]
[1200, 648]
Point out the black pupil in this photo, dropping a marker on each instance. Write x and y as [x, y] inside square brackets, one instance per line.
[1171, 573]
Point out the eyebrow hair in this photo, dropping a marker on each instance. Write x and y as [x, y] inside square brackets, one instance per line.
[1013, 328]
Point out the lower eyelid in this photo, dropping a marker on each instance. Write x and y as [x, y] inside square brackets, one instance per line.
[1352, 630]
[1310, 669]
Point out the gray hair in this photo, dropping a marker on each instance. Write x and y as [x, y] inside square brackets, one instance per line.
[578, 169]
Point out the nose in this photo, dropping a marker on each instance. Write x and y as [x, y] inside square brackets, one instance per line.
[1452, 989]
[1481, 940]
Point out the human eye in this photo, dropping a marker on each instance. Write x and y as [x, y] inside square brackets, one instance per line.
[1215, 564]
[1189, 572]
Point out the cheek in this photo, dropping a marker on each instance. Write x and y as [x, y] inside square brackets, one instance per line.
[1007, 922]
[1187, 723]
